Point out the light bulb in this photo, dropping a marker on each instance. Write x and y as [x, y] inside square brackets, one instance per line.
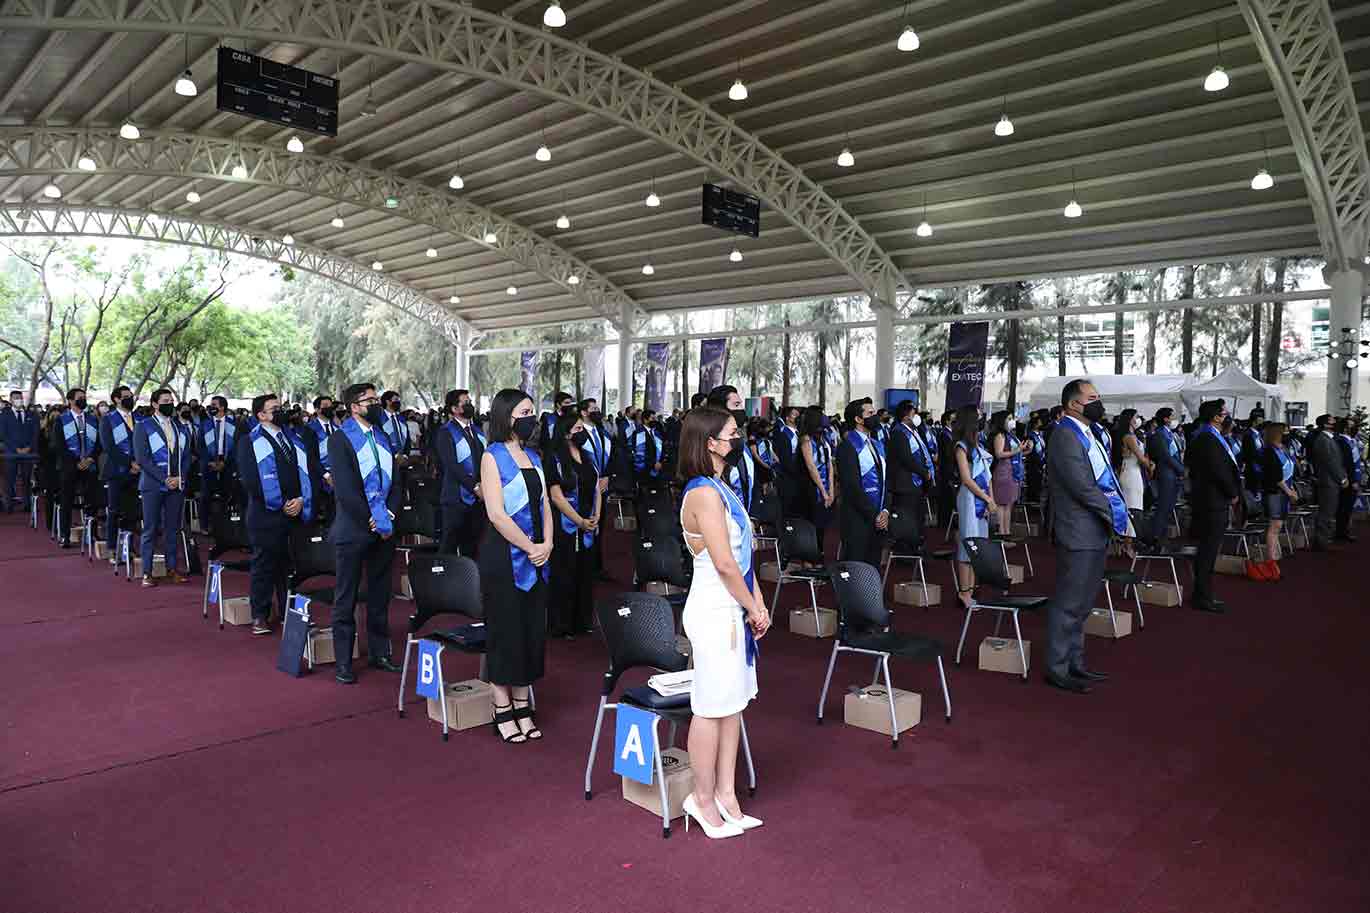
[52, 191]
[512, 289]
[455, 182]
[287, 238]
[1262, 180]
[377, 265]
[1334, 356]
[490, 237]
[1073, 210]
[845, 159]
[185, 85]
[653, 200]
[1352, 362]
[573, 279]
[543, 154]
[369, 109]
[647, 269]
[735, 256]
[924, 229]
[563, 222]
[294, 145]
[192, 197]
[85, 162]
[128, 131]
[554, 17]
[431, 253]
[1004, 127]
[738, 92]
[240, 171]
[392, 203]
[336, 222]
[1216, 80]
[908, 39]
[454, 299]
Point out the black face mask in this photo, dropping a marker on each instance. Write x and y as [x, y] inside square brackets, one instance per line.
[734, 454]
[739, 416]
[212, 411]
[185, 416]
[341, 414]
[274, 417]
[524, 428]
[580, 438]
[167, 409]
[467, 410]
[80, 402]
[375, 413]
[127, 402]
[596, 416]
[872, 423]
[1094, 411]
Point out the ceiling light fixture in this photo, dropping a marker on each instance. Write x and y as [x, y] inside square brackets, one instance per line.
[735, 256]
[287, 239]
[185, 85]
[1263, 180]
[369, 108]
[1073, 209]
[490, 237]
[127, 129]
[192, 196]
[85, 162]
[738, 91]
[908, 39]
[648, 269]
[563, 222]
[454, 299]
[1004, 127]
[377, 265]
[924, 229]
[240, 171]
[431, 253]
[392, 202]
[653, 201]
[554, 17]
[337, 220]
[52, 191]
[573, 279]
[1217, 79]
[294, 145]
[844, 158]
[544, 154]
[455, 182]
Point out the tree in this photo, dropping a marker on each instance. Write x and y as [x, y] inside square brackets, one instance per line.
[1187, 273]
[37, 259]
[923, 349]
[1155, 295]
[1019, 345]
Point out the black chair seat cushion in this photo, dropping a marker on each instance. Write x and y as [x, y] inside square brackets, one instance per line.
[242, 566]
[470, 638]
[1126, 578]
[1008, 538]
[944, 554]
[816, 573]
[643, 696]
[905, 645]
[327, 595]
[1014, 602]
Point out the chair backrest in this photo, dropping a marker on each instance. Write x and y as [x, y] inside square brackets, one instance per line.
[406, 522]
[860, 595]
[987, 560]
[444, 584]
[766, 509]
[903, 531]
[621, 485]
[420, 488]
[311, 553]
[660, 561]
[655, 521]
[798, 540]
[639, 630]
[426, 518]
[228, 529]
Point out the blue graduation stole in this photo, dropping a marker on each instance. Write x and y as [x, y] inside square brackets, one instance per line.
[638, 439]
[979, 471]
[265, 455]
[596, 448]
[69, 435]
[916, 445]
[377, 467]
[1102, 434]
[1286, 464]
[932, 444]
[210, 435]
[158, 445]
[464, 455]
[1227, 446]
[317, 427]
[821, 455]
[1015, 461]
[119, 433]
[793, 436]
[742, 552]
[735, 479]
[767, 453]
[1257, 442]
[519, 509]
[571, 493]
[1353, 446]
[872, 475]
[1039, 444]
[1104, 477]
[1171, 446]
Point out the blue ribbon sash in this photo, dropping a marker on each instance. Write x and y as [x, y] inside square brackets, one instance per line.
[1286, 464]
[571, 492]
[92, 435]
[119, 433]
[1103, 477]
[377, 467]
[872, 475]
[519, 509]
[158, 445]
[1015, 461]
[979, 471]
[267, 471]
[742, 552]
[462, 447]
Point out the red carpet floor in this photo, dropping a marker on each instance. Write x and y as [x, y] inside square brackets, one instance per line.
[152, 762]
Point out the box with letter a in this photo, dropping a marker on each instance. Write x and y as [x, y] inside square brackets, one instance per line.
[237, 610]
[680, 782]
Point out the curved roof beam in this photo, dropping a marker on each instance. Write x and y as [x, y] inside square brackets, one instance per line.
[62, 220]
[460, 39]
[55, 150]
[1298, 42]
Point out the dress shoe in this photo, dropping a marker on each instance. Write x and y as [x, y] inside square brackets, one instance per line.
[176, 577]
[66, 543]
[149, 583]
[344, 676]
[384, 663]
[1089, 675]
[1066, 684]
[1214, 606]
[261, 626]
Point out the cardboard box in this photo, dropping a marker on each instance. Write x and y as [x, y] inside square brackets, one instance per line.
[101, 550]
[158, 566]
[237, 610]
[1163, 594]
[869, 708]
[322, 639]
[1231, 564]
[661, 588]
[468, 705]
[406, 589]
[1000, 654]
[680, 782]
[911, 593]
[1015, 573]
[625, 524]
[803, 622]
[1099, 624]
[769, 571]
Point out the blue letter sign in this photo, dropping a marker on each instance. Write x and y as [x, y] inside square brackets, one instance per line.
[426, 684]
[634, 743]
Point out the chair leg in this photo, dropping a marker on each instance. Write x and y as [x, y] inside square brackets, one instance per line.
[594, 743]
[889, 697]
[827, 679]
[946, 694]
[747, 754]
[1018, 632]
[1112, 618]
[1137, 598]
[404, 673]
[885, 577]
[1175, 576]
[875, 673]
[442, 690]
[965, 626]
[813, 598]
[1027, 556]
[661, 783]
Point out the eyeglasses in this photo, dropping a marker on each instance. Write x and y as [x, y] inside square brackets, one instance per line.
[368, 401]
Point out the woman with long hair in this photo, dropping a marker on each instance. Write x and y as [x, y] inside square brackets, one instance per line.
[819, 479]
[573, 487]
[974, 500]
[1009, 471]
[1277, 479]
[514, 556]
[1129, 459]
[725, 615]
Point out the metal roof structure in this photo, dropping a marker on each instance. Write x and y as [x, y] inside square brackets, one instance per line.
[1106, 99]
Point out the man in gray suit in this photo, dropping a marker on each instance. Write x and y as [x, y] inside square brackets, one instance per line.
[1329, 478]
[1084, 515]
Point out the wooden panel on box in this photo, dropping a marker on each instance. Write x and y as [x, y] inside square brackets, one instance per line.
[1000, 654]
[1231, 564]
[1156, 593]
[101, 551]
[1015, 573]
[468, 705]
[237, 610]
[1099, 624]
[406, 588]
[322, 641]
[625, 524]
[802, 621]
[158, 566]
[680, 782]
[911, 593]
[869, 708]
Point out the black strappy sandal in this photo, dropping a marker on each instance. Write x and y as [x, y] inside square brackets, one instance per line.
[533, 733]
[504, 713]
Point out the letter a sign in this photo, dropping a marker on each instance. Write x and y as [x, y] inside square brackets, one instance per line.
[634, 743]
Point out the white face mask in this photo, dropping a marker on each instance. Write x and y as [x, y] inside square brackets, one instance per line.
[917, 419]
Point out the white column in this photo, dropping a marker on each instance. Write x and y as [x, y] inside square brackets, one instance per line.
[625, 356]
[1348, 289]
[884, 343]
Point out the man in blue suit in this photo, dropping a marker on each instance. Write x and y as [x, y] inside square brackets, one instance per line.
[162, 446]
[75, 438]
[18, 441]
[1163, 449]
[120, 469]
[459, 445]
[218, 449]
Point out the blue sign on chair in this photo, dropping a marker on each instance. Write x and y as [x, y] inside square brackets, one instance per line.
[295, 637]
[426, 683]
[634, 743]
[216, 570]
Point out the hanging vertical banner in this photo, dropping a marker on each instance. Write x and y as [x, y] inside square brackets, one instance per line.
[528, 374]
[713, 363]
[658, 355]
[593, 385]
[966, 345]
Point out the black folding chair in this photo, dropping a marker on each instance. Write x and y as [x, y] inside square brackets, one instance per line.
[128, 529]
[444, 584]
[621, 491]
[658, 521]
[765, 515]
[798, 541]
[864, 627]
[662, 561]
[639, 632]
[228, 533]
[311, 556]
[416, 518]
[905, 545]
[992, 571]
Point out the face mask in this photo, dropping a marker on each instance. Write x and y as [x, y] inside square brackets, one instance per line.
[80, 402]
[1094, 411]
[127, 402]
[212, 411]
[341, 414]
[917, 420]
[524, 428]
[468, 410]
[580, 438]
[739, 416]
[872, 422]
[167, 409]
[185, 416]
[375, 413]
[734, 454]
[596, 416]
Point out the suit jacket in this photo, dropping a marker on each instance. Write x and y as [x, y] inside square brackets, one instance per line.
[259, 516]
[57, 444]
[352, 520]
[455, 476]
[849, 481]
[1159, 453]
[907, 460]
[115, 465]
[1081, 517]
[154, 475]
[1213, 477]
[15, 433]
[1325, 455]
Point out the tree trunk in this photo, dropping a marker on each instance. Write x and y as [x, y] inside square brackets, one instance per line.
[576, 364]
[846, 367]
[1274, 336]
[1061, 345]
[1120, 298]
[1153, 319]
[1187, 321]
[785, 366]
[684, 373]
[1259, 286]
[556, 370]
[823, 371]
[1013, 330]
[756, 348]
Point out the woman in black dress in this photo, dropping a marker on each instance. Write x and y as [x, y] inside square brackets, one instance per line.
[573, 488]
[818, 480]
[514, 555]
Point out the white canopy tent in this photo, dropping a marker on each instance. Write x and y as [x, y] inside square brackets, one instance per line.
[1241, 391]
[1145, 392]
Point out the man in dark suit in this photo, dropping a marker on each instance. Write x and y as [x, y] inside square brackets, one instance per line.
[460, 445]
[75, 438]
[274, 466]
[162, 445]
[1215, 486]
[367, 496]
[547, 424]
[1348, 444]
[862, 476]
[219, 447]
[912, 470]
[1329, 478]
[788, 463]
[19, 444]
[119, 471]
[1163, 449]
[1087, 508]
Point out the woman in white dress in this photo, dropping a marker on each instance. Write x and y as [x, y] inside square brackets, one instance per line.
[724, 616]
[1129, 459]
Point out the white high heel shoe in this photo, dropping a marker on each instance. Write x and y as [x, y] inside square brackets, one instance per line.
[746, 822]
[713, 832]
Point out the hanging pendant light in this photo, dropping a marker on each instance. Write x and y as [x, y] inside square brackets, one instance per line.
[648, 269]
[554, 17]
[490, 237]
[738, 91]
[85, 162]
[337, 220]
[1073, 209]
[287, 239]
[369, 108]
[185, 85]
[431, 253]
[294, 145]
[735, 256]
[377, 265]
[192, 196]
[1217, 79]
[454, 299]
[1004, 127]
[455, 182]
[240, 171]
[844, 158]
[908, 39]
[512, 289]
[544, 154]
[1263, 180]
[924, 229]
[653, 201]
[563, 222]
[573, 279]
[127, 129]
[52, 191]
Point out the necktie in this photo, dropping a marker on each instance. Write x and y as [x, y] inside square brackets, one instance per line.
[219, 436]
[375, 453]
[289, 451]
[81, 434]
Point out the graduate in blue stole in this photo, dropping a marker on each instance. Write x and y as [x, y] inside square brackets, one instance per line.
[459, 445]
[120, 469]
[218, 449]
[75, 438]
[162, 446]
[862, 472]
[514, 563]
[573, 488]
